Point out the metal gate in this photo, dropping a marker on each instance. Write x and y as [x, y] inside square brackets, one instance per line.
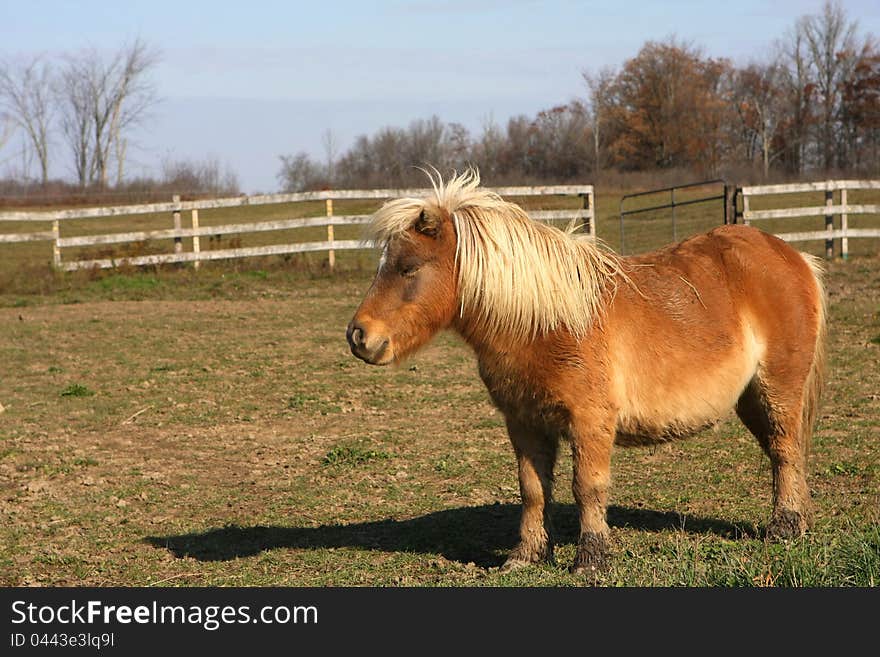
[661, 223]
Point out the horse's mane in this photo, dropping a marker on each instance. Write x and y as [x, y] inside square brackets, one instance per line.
[515, 275]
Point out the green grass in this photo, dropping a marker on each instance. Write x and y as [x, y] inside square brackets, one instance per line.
[77, 390]
[351, 455]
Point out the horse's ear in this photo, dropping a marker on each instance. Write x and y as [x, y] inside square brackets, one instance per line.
[427, 224]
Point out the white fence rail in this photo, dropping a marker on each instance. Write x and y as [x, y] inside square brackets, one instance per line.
[584, 215]
[829, 209]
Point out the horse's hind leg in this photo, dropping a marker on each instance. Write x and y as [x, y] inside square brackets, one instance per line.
[773, 413]
[536, 458]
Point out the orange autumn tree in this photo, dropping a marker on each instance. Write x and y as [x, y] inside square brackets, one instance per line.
[670, 107]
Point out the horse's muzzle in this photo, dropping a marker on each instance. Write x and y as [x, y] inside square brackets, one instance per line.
[369, 349]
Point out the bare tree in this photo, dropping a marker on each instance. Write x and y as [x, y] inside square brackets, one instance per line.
[486, 152]
[201, 176]
[761, 110]
[127, 94]
[424, 143]
[828, 37]
[299, 173]
[457, 146]
[331, 147]
[7, 128]
[599, 95]
[391, 156]
[76, 117]
[860, 111]
[559, 142]
[799, 86]
[120, 147]
[26, 97]
[102, 98]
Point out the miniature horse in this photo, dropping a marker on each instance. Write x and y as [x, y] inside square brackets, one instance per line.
[578, 343]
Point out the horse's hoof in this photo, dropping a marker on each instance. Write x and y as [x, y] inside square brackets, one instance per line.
[589, 574]
[786, 525]
[515, 564]
[592, 556]
[521, 557]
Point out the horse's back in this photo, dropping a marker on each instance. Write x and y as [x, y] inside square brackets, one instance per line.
[770, 283]
[696, 323]
[736, 270]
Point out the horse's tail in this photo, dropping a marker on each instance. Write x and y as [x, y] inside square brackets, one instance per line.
[816, 378]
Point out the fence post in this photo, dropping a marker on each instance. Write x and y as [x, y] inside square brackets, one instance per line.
[175, 216]
[727, 213]
[829, 224]
[745, 208]
[56, 248]
[594, 217]
[844, 221]
[196, 242]
[590, 226]
[672, 203]
[331, 254]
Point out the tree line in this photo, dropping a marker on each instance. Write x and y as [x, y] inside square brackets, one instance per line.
[812, 104]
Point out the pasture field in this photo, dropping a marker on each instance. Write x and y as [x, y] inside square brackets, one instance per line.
[174, 427]
[210, 428]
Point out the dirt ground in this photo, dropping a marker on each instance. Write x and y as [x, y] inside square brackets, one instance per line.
[235, 441]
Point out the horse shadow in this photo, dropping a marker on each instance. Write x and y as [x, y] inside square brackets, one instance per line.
[475, 534]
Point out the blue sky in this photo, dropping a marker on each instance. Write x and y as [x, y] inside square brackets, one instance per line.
[245, 82]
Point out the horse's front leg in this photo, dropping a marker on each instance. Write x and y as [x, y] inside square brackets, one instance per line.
[536, 457]
[591, 445]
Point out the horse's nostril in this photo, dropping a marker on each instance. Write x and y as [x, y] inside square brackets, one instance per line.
[370, 348]
[356, 335]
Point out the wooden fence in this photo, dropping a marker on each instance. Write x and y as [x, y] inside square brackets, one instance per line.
[175, 209]
[828, 210]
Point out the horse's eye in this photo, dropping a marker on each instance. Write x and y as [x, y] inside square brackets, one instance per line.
[408, 266]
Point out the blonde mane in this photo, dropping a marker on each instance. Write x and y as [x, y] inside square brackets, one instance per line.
[515, 275]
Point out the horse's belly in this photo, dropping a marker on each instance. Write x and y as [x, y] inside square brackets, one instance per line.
[633, 433]
[654, 419]
[664, 400]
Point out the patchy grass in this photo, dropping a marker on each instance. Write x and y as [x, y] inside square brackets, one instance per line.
[235, 441]
[77, 390]
[350, 455]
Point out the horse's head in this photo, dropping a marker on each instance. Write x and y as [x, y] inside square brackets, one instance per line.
[414, 293]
